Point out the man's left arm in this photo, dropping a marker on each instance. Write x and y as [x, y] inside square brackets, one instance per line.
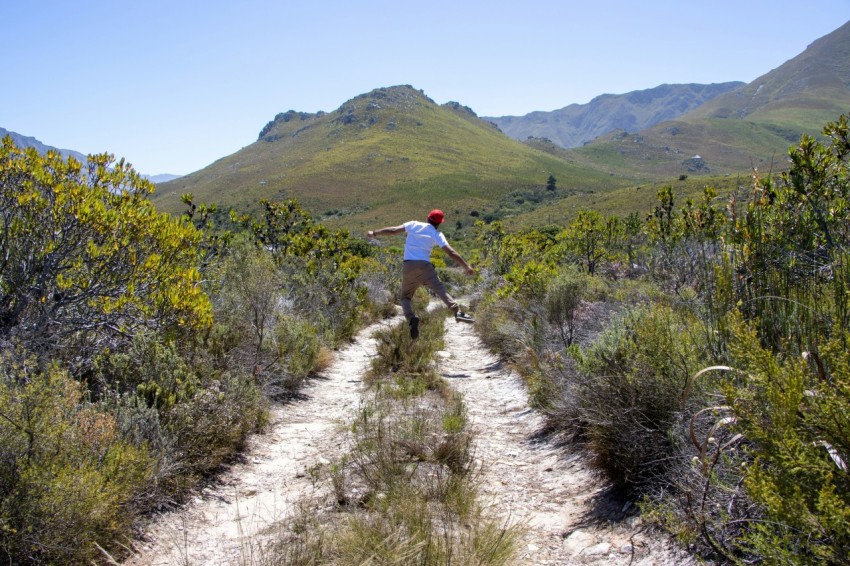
[458, 258]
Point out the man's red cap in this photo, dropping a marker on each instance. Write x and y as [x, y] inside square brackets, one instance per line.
[436, 216]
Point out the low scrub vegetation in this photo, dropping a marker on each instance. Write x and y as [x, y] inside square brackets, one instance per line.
[139, 350]
[637, 394]
[699, 354]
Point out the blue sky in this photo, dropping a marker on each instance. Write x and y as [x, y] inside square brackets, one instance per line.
[174, 85]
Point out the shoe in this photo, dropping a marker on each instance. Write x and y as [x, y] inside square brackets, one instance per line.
[461, 316]
[414, 327]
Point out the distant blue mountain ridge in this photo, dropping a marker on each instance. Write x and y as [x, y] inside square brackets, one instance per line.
[577, 124]
[28, 141]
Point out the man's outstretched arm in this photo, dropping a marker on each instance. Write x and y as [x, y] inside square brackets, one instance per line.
[457, 257]
[388, 231]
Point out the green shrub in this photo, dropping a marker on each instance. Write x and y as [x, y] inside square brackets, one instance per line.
[637, 394]
[264, 328]
[68, 479]
[497, 323]
[795, 416]
[381, 280]
[325, 294]
[193, 418]
[585, 239]
[564, 295]
[790, 245]
[319, 268]
[211, 426]
[298, 346]
[84, 248]
[155, 371]
[247, 299]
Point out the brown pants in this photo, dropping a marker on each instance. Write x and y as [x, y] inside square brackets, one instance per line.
[414, 274]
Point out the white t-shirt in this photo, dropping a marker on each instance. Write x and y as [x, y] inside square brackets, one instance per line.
[421, 237]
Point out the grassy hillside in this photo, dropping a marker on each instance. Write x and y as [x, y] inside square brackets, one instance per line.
[381, 158]
[709, 147]
[802, 94]
[640, 198]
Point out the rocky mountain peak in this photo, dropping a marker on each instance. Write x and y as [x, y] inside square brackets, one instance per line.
[284, 119]
[365, 109]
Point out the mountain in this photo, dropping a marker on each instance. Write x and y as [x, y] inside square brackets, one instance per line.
[806, 89]
[383, 158]
[751, 126]
[24, 141]
[577, 124]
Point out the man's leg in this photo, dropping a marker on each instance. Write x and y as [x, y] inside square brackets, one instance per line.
[414, 274]
[411, 279]
[432, 281]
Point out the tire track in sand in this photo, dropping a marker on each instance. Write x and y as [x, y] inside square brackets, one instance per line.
[532, 483]
[223, 523]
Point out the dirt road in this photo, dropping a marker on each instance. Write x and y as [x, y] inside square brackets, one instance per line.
[526, 482]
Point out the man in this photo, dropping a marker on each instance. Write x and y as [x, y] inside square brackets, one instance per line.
[418, 270]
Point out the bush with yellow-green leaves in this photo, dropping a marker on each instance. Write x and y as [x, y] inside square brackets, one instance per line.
[87, 260]
[140, 349]
[69, 480]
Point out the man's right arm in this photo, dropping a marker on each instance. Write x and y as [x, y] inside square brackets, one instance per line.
[388, 231]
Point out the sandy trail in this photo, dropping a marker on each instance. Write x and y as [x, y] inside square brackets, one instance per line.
[526, 482]
[222, 525]
[532, 482]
